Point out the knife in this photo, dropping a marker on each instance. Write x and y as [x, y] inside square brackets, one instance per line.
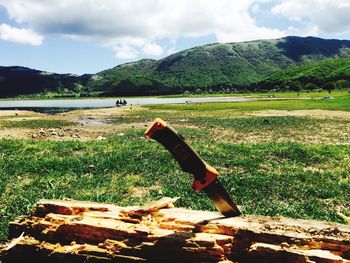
[190, 162]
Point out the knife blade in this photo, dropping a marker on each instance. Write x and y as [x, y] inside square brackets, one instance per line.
[190, 162]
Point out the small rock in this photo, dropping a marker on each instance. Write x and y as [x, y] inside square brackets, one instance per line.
[51, 130]
[34, 135]
[121, 134]
[61, 134]
[100, 138]
[41, 130]
[54, 133]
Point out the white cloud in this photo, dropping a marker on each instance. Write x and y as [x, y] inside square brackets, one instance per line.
[135, 28]
[328, 16]
[308, 30]
[152, 49]
[130, 47]
[20, 35]
[114, 22]
[125, 52]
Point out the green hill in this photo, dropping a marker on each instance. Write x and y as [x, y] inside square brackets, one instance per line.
[310, 76]
[17, 81]
[217, 66]
[231, 66]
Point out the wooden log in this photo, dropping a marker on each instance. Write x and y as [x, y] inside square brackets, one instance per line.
[75, 231]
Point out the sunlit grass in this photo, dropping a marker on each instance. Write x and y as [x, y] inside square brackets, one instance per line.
[336, 103]
[35, 124]
[265, 94]
[288, 179]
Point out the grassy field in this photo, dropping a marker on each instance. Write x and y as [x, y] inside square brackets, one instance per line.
[340, 102]
[280, 94]
[36, 124]
[294, 166]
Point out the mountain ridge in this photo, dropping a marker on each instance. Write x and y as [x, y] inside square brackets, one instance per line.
[215, 65]
[210, 67]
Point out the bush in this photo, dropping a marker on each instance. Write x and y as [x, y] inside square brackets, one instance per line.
[310, 87]
[343, 84]
[329, 86]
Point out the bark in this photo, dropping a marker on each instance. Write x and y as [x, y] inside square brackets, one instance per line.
[75, 231]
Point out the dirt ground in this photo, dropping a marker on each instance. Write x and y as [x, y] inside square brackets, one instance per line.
[89, 124]
[318, 114]
[94, 124]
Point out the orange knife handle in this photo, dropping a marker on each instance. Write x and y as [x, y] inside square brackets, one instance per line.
[188, 159]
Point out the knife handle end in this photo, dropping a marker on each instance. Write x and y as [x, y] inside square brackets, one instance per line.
[156, 125]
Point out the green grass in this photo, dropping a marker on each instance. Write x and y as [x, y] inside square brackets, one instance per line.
[289, 179]
[280, 94]
[338, 103]
[301, 94]
[35, 124]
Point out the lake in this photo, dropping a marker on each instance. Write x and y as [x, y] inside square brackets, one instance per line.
[55, 106]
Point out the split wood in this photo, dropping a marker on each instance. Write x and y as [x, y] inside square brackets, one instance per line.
[76, 231]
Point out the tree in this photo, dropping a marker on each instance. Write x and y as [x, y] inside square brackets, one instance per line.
[343, 84]
[295, 85]
[329, 86]
[310, 86]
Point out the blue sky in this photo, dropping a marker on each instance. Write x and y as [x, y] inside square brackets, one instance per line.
[80, 36]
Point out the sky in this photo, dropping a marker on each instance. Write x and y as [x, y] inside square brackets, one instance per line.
[87, 36]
